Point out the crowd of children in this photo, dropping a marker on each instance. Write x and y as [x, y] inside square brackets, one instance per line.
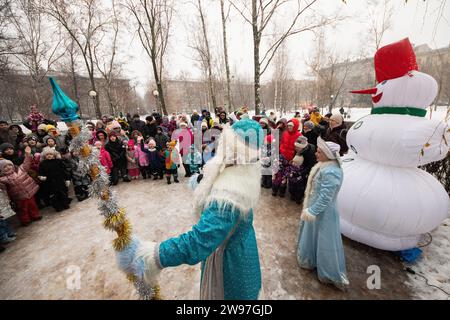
[37, 169]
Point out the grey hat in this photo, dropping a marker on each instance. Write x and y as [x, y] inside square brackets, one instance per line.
[48, 137]
[5, 146]
[308, 124]
[3, 163]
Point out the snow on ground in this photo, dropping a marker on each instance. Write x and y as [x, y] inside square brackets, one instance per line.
[44, 260]
[434, 265]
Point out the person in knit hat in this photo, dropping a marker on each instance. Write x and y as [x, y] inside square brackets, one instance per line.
[55, 180]
[8, 152]
[41, 132]
[320, 217]
[299, 168]
[311, 131]
[315, 116]
[104, 157]
[33, 142]
[132, 161]
[223, 240]
[21, 188]
[34, 119]
[154, 159]
[172, 162]
[185, 139]
[264, 122]
[15, 131]
[337, 132]
[287, 148]
[59, 139]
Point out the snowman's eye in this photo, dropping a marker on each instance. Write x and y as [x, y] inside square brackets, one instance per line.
[384, 82]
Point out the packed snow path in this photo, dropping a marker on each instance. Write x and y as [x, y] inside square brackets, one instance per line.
[47, 257]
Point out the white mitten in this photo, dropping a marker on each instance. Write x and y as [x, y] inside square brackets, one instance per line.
[42, 178]
[142, 260]
[67, 183]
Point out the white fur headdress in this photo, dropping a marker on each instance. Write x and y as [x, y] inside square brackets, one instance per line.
[231, 177]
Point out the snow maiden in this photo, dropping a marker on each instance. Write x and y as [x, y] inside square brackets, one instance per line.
[223, 240]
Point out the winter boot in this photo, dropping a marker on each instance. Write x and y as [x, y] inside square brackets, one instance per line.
[175, 178]
[126, 179]
[168, 180]
[282, 191]
[275, 190]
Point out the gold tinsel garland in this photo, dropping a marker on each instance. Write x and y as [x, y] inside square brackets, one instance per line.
[115, 221]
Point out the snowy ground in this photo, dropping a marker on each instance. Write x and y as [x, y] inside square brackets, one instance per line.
[44, 261]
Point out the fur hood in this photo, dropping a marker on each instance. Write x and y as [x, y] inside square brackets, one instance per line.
[230, 178]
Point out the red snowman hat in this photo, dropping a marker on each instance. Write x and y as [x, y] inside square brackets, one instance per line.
[393, 61]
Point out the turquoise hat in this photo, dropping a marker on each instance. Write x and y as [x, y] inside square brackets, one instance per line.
[250, 131]
[62, 105]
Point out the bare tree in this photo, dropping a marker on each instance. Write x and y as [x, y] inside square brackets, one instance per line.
[69, 65]
[153, 19]
[36, 51]
[106, 62]
[85, 21]
[225, 53]
[331, 72]
[380, 17]
[6, 40]
[259, 16]
[203, 51]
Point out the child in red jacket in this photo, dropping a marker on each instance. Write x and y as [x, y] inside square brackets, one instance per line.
[21, 188]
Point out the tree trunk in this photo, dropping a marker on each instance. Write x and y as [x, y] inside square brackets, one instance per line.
[98, 112]
[225, 52]
[257, 65]
[208, 58]
[75, 85]
[162, 102]
[275, 98]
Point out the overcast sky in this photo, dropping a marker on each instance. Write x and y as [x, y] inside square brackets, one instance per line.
[417, 20]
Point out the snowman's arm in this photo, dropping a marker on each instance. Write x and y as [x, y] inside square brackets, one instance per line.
[327, 190]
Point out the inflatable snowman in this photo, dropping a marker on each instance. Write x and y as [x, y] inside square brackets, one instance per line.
[386, 201]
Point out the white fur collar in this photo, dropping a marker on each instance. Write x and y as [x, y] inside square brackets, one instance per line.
[238, 186]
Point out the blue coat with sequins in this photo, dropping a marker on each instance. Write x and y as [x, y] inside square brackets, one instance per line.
[241, 268]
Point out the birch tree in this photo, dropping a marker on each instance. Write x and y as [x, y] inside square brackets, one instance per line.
[260, 15]
[152, 20]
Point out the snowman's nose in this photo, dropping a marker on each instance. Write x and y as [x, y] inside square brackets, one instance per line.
[365, 91]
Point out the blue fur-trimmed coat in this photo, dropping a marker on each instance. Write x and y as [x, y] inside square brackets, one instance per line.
[320, 242]
[241, 267]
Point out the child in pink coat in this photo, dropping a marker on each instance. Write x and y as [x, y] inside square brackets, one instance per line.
[142, 160]
[105, 158]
